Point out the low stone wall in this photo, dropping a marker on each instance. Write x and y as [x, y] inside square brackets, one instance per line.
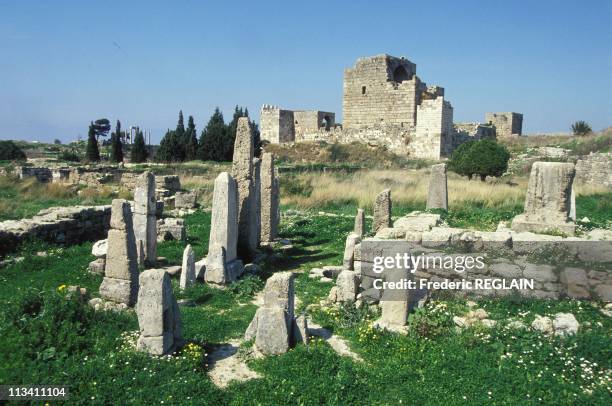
[57, 225]
[559, 267]
[595, 169]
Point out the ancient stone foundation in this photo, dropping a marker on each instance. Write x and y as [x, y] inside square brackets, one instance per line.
[57, 225]
[158, 313]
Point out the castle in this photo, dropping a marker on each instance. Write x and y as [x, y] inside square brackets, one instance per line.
[385, 103]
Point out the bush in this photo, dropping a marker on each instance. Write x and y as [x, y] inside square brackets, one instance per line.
[69, 156]
[11, 152]
[581, 127]
[483, 158]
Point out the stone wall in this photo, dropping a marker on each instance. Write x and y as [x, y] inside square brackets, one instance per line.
[57, 225]
[595, 169]
[506, 124]
[381, 89]
[434, 129]
[42, 174]
[276, 125]
[308, 122]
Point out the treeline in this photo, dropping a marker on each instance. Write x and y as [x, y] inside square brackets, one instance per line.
[216, 142]
[100, 128]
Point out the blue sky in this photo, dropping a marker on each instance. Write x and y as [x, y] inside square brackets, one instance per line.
[65, 63]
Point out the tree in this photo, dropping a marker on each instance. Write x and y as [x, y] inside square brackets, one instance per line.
[57, 141]
[213, 139]
[581, 127]
[484, 158]
[139, 149]
[9, 151]
[101, 127]
[191, 138]
[170, 149]
[92, 153]
[180, 126]
[116, 150]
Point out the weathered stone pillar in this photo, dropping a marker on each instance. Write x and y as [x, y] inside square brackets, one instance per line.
[359, 228]
[222, 264]
[120, 283]
[382, 211]
[548, 204]
[145, 221]
[269, 199]
[188, 274]
[437, 196]
[349, 251]
[242, 171]
[256, 217]
[274, 326]
[158, 313]
[395, 303]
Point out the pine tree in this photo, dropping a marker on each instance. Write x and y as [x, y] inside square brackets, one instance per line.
[191, 145]
[139, 149]
[213, 139]
[116, 153]
[92, 153]
[180, 126]
[170, 148]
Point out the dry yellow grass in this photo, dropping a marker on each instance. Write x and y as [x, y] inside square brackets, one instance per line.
[408, 187]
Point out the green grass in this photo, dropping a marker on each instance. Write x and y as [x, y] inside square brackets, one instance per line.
[25, 198]
[47, 339]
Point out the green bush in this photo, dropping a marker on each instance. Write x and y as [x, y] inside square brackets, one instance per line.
[483, 158]
[581, 127]
[11, 152]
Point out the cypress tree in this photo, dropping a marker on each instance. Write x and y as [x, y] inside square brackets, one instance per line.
[139, 149]
[116, 153]
[213, 139]
[191, 145]
[92, 153]
[170, 148]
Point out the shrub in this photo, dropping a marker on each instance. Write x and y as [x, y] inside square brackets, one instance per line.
[483, 158]
[11, 152]
[581, 127]
[69, 156]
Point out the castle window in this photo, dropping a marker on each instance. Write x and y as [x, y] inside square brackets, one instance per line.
[363, 90]
[400, 74]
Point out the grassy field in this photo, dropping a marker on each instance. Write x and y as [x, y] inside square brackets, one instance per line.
[48, 339]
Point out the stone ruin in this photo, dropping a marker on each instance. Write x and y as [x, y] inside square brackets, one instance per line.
[188, 271]
[437, 195]
[385, 103]
[506, 124]
[549, 205]
[222, 263]
[159, 317]
[359, 227]
[507, 254]
[145, 220]
[269, 199]
[382, 211]
[120, 283]
[242, 172]
[275, 327]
